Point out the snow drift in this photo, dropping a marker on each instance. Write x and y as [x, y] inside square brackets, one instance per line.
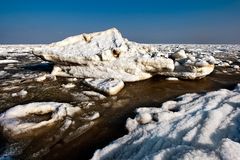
[194, 126]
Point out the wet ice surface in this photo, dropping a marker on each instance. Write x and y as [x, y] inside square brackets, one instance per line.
[25, 78]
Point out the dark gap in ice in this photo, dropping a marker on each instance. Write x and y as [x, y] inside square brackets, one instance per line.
[230, 86]
[3, 142]
[48, 67]
[176, 109]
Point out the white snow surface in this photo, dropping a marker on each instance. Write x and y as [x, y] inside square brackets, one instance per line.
[194, 126]
[106, 54]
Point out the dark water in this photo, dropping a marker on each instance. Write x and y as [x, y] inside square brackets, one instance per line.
[148, 93]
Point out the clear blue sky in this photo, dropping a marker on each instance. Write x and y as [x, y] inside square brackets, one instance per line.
[149, 21]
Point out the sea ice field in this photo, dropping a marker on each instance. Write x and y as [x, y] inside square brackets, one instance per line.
[99, 96]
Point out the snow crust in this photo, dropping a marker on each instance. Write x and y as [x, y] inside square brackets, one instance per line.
[194, 126]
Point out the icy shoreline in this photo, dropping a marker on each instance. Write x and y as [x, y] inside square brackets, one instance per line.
[194, 126]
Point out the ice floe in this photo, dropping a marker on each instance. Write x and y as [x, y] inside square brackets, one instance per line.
[108, 86]
[8, 61]
[15, 121]
[172, 79]
[86, 96]
[104, 55]
[194, 126]
[23, 93]
[45, 77]
[68, 86]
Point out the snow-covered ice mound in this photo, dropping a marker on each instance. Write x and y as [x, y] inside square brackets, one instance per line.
[194, 126]
[34, 119]
[104, 55]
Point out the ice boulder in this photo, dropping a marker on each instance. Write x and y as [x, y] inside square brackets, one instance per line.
[193, 126]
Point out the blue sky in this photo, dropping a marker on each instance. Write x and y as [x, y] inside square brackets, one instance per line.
[148, 21]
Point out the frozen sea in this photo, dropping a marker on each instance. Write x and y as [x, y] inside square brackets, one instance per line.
[25, 78]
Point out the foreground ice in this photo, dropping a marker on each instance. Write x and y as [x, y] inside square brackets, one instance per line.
[34, 119]
[194, 126]
[107, 54]
[47, 122]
